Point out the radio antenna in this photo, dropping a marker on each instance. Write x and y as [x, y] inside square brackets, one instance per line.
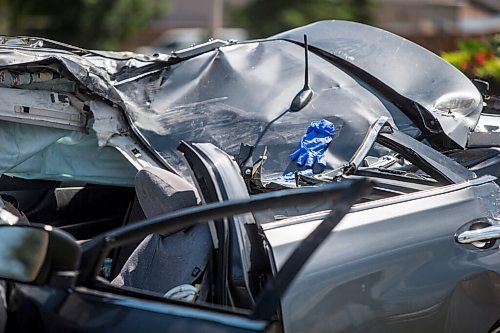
[304, 96]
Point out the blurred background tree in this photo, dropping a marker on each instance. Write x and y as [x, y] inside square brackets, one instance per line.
[263, 18]
[101, 24]
[477, 58]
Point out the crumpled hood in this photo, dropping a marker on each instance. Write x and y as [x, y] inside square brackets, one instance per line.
[407, 68]
[241, 94]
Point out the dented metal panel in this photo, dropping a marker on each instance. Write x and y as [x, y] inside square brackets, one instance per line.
[238, 94]
[446, 95]
[241, 94]
[396, 267]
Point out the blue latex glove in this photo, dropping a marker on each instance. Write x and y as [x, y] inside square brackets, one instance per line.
[313, 144]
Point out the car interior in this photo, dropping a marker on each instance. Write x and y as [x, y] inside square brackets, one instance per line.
[86, 207]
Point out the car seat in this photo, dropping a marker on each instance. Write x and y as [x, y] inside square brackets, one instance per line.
[164, 261]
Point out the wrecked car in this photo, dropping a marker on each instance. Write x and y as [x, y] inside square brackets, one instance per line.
[168, 191]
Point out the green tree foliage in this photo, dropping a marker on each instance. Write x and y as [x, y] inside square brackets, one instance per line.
[476, 58]
[103, 24]
[263, 18]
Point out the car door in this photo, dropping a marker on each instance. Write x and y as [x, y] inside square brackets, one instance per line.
[400, 264]
[50, 309]
[393, 264]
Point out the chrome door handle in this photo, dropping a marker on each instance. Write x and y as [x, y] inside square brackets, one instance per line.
[479, 235]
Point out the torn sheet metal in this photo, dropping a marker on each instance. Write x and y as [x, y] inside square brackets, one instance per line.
[93, 71]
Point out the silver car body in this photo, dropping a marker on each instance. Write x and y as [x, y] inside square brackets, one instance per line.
[394, 265]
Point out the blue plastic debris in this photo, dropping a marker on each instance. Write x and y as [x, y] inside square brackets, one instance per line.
[313, 144]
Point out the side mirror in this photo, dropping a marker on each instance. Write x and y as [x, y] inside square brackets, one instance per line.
[38, 254]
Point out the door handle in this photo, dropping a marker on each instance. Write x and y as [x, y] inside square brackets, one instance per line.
[490, 233]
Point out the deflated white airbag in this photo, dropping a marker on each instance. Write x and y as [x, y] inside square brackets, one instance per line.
[36, 152]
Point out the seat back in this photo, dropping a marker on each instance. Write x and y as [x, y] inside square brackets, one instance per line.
[160, 191]
[162, 261]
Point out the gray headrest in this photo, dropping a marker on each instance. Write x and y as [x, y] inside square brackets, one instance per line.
[160, 191]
